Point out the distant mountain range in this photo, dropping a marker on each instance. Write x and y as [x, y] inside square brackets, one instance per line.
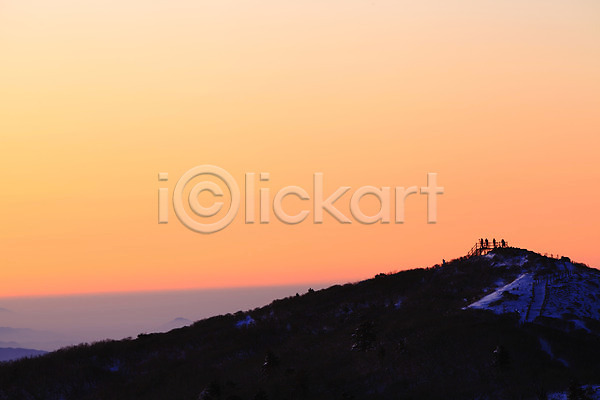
[16, 343]
[9, 354]
[512, 324]
[31, 338]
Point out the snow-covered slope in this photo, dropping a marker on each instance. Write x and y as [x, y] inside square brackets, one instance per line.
[545, 288]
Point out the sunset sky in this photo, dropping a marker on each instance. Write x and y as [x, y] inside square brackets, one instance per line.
[500, 98]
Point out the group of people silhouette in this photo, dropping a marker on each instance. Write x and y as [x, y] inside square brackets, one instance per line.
[485, 244]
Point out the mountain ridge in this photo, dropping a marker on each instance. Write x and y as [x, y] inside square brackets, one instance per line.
[411, 334]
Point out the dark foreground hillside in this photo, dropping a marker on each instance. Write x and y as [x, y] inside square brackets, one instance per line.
[409, 335]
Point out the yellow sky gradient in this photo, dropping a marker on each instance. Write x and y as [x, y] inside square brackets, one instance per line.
[501, 99]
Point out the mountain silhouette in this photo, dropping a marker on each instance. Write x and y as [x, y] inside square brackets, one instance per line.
[508, 324]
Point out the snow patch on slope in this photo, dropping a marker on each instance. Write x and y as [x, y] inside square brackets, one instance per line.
[591, 391]
[246, 322]
[546, 348]
[556, 289]
[513, 297]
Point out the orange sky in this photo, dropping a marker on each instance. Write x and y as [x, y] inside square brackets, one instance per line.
[501, 99]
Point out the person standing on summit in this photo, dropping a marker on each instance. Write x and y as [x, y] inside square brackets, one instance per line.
[486, 243]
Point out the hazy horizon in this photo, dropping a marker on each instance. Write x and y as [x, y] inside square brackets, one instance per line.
[58, 321]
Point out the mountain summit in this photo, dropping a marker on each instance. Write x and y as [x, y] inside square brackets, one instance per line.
[503, 325]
